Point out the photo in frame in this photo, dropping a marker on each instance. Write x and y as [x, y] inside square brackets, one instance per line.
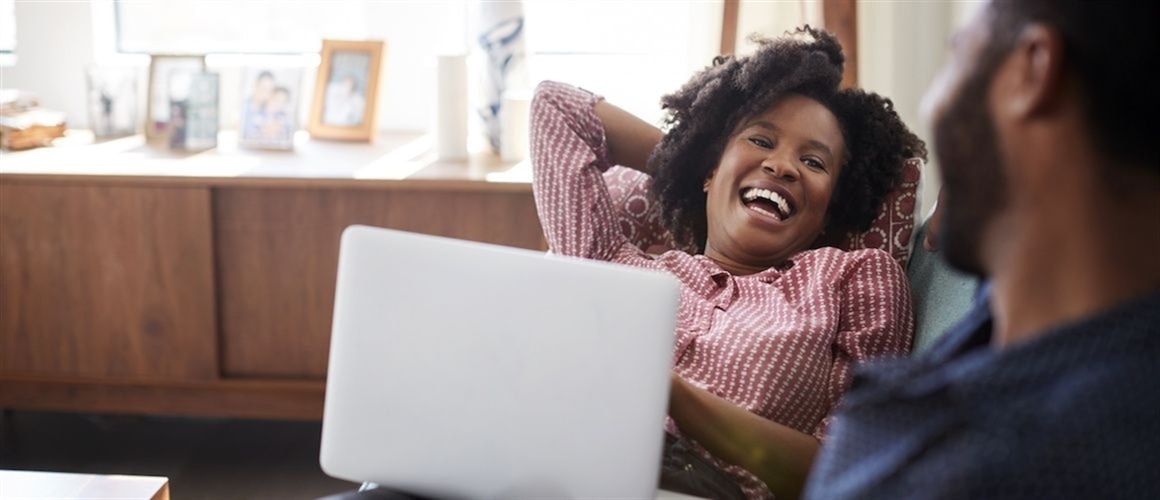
[345, 90]
[163, 68]
[270, 98]
[112, 101]
[193, 111]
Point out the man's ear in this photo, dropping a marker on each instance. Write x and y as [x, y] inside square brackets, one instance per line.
[1031, 79]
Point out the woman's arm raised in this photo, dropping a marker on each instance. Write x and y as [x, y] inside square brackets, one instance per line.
[630, 139]
[569, 153]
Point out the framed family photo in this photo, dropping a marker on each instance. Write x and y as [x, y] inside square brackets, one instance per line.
[270, 98]
[167, 76]
[112, 101]
[345, 90]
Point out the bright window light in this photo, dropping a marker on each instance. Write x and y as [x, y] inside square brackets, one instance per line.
[247, 26]
[7, 26]
[630, 51]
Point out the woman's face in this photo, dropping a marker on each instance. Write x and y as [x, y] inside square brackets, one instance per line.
[768, 196]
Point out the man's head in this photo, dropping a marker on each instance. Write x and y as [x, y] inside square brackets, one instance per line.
[1002, 105]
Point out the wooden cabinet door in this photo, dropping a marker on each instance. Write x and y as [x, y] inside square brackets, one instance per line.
[106, 282]
[278, 251]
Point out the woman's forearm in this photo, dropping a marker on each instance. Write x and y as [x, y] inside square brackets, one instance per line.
[776, 454]
[630, 139]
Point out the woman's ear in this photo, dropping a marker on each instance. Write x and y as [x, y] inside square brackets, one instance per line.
[708, 180]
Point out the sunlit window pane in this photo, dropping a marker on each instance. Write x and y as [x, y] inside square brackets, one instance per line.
[254, 26]
[7, 26]
[620, 27]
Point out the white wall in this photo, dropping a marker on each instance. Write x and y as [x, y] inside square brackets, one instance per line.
[765, 18]
[407, 81]
[901, 47]
[54, 44]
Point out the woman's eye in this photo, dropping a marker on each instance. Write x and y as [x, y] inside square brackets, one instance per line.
[812, 163]
[760, 142]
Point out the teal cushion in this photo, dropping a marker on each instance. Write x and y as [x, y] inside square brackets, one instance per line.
[942, 296]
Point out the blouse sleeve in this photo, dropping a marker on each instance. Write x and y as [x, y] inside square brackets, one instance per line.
[569, 154]
[877, 320]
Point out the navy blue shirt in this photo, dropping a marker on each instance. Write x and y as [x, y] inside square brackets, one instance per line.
[1073, 413]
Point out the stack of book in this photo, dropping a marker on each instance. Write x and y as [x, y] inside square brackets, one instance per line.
[24, 124]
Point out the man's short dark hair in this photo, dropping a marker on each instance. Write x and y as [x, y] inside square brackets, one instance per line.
[1110, 47]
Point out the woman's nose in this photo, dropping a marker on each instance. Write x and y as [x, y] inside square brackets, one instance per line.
[780, 167]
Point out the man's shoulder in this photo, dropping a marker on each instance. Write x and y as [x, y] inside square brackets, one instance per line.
[1083, 374]
[1090, 431]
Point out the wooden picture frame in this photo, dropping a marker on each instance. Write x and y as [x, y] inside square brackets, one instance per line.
[157, 107]
[346, 90]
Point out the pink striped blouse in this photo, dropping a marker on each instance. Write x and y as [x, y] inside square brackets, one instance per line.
[779, 343]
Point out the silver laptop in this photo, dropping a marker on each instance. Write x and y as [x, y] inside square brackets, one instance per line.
[466, 370]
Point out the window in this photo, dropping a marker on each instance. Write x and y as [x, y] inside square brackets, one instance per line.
[7, 28]
[631, 51]
[251, 26]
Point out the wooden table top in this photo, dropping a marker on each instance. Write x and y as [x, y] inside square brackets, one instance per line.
[392, 157]
[18, 484]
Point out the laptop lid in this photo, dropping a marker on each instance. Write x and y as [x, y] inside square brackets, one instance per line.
[466, 370]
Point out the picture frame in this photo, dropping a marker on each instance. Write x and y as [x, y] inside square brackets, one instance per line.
[193, 116]
[346, 90]
[112, 101]
[162, 68]
[270, 97]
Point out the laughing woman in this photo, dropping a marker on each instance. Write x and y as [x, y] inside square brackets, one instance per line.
[762, 156]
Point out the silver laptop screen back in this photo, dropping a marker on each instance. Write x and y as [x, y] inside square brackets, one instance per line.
[465, 370]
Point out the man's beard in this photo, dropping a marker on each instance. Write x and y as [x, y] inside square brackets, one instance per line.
[974, 185]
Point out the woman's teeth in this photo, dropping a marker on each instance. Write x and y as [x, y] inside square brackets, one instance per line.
[779, 204]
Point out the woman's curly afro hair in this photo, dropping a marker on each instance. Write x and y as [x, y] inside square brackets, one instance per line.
[703, 114]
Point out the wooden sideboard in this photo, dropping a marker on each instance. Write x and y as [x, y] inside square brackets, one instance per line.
[137, 280]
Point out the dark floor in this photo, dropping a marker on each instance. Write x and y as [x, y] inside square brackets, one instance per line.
[203, 458]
